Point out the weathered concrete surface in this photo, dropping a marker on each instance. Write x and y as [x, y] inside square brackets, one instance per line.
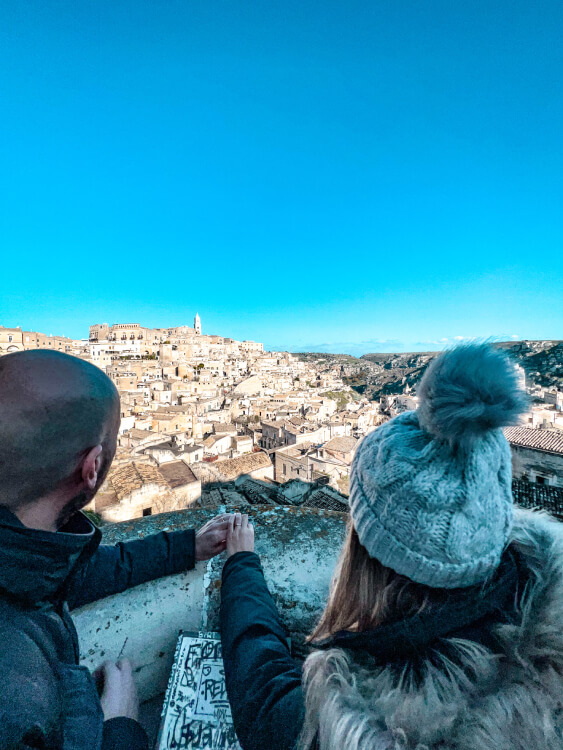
[298, 548]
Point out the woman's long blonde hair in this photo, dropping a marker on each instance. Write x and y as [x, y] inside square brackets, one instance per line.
[364, 593]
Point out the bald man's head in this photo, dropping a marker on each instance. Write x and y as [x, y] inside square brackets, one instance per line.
[54, 408]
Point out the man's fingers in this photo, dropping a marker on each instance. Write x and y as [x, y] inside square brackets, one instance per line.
[124, 665]
[221, 521]
[207, 526]
[108, 668]
[110, 676]
[231, 525]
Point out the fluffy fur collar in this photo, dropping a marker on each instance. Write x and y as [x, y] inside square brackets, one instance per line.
[465, 697]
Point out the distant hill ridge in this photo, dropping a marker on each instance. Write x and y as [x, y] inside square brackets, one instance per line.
[385, 373]
[516, 347]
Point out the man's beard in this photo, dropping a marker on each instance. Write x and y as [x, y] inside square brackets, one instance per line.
[83, 498]
[71, 508]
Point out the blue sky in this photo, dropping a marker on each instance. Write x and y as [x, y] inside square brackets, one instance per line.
[341, 176]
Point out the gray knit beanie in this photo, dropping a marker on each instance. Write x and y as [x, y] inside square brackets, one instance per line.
[431, 490]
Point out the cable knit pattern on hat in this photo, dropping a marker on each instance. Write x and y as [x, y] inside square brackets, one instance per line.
[430, 491]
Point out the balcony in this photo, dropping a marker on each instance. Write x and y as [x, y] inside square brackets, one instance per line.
[298, 548]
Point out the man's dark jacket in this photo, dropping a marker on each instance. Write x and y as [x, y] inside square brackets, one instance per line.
[47, 700]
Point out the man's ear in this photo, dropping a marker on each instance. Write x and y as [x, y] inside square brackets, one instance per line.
[91, 466]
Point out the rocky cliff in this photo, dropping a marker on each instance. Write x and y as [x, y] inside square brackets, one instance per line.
[379, 374]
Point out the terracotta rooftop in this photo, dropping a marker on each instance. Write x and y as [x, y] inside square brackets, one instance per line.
[301, 429]
[241, 438]
[212, 439]
[225, 428]
[232, 468]
[176, 409]
[543, 496]
[296, 451]
[341, 444]
[257, 493]
[177, 474]
[327, 501]
[164, 445]
[542, 440]
[139, 434]
[193, 448]
[133, 476]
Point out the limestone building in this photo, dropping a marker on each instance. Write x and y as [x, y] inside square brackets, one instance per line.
[139, 489]
[11, 340]
[537, 455]
[123, 332]
[15, 340]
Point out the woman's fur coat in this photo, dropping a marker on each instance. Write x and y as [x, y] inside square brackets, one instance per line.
[465, 697]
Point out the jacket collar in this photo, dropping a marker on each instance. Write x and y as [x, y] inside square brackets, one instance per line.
[460, 615]
[35, 564]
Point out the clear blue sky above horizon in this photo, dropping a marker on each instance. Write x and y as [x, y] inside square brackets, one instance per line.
[330, 176]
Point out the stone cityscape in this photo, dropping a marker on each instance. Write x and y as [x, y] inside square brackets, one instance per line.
[207, 420]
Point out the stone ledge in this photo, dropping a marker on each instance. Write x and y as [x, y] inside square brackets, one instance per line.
[298, 548]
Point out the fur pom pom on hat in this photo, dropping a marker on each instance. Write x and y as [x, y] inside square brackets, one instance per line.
[467, 391]
[431, 490]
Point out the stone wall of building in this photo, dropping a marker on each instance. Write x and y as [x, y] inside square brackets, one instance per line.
[537, 466]
[11, 340]
[14, 339]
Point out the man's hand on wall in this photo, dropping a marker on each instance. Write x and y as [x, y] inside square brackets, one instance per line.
[118, 690]
[211, 539]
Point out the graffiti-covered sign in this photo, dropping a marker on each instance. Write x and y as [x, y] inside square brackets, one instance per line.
[196, 712]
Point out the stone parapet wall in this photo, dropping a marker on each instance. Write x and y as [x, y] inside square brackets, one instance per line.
[298, 548]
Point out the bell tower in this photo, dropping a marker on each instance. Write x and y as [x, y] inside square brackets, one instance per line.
[197, 323]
